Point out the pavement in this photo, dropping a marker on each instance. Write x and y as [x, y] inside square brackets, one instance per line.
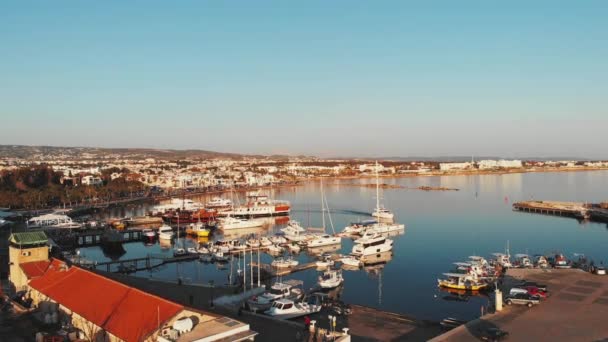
[576, 310]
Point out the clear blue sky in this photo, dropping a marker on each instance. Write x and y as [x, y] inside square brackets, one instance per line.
[364, 78]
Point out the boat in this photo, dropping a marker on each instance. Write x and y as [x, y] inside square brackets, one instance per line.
[358, 228]
[148, 234]
[523, 261]
[253, 243]
[197, 229]
[165, 232]
[274, 249]
[323, 240]
[230, 222]
[258, 206]
[503, 260]
[203, 250]
[372, 244]
[295, 232]
[54, 220]
[284, 263]
[325, 261]
[143, 220]
[560, 261]
[179, 252]
[287, 308]
[380, 211]
[540, 261]
[190, 216]
[220, 256]
[279, 290]
[191, 250]
[176, 204]
[330, 279]
[219, 203]
[294, 247]
[462, 282]
[265, 241]
[350, 260]
[385, 227]
[277, 240]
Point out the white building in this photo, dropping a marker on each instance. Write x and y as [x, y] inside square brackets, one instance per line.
[91, 180]
[499, 164]
[455, 166]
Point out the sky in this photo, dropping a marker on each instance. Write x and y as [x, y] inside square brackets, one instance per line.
[326, 78]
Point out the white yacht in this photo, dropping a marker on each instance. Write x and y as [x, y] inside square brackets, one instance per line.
[52, 221]
[380, 211]
[177, 203]
[295, 232]
[165, 232]
[230, 222]
[284, 263]
[358, 227]
[330, 279]
[385, 227]
[287, 309]
[278, 290]
[350, 260]
[372, 244]
[219, 203]
[323, 240]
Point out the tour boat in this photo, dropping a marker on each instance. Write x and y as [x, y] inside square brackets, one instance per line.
[330, 279]
[278, 290]
[350, 260]
[284, 263]
[461, 282]
[52, 221]
[230, 222]
[287, 309]
[260, 205]
[198, 229]
[380, 211]
[372, 244]
[165, 232]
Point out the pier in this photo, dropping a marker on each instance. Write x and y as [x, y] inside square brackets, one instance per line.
[135, 264]
[91, 237]
[568, 209]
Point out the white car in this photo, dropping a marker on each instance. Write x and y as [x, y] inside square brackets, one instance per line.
[600, 270]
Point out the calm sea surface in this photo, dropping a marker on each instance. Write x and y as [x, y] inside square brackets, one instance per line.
[442, 227]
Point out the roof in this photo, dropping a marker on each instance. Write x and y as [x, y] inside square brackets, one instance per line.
[35, 269]
[28, 238]
[125, 312]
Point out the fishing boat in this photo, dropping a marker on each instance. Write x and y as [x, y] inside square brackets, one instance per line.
[165, 232]
[197, 229]
[284, 263]
[523, 261]
[380, 211]
[279, 290]
[287, 308]
[330, 279]
[462, 282]
[372, 244]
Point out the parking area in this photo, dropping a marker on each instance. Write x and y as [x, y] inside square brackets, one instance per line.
[576, 310]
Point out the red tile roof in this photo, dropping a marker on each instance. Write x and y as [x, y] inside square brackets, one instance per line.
[125, 312]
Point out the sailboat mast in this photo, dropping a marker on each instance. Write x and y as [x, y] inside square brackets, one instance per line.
[377, 189]
[322, 206]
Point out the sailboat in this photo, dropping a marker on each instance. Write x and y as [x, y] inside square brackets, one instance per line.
[380, 211]
[324, 239]
[178, 251]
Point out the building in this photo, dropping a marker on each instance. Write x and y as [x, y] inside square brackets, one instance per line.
[455, 166]
[25, 247]
[91, 180]
[499, 164]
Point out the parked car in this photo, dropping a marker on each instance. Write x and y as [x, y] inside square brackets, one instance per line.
[600, 270]
[535, 291]
[493, 335]
[525, 283]
[522, 299]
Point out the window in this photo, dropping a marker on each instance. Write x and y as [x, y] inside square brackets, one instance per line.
[287, 306]
[27, 253]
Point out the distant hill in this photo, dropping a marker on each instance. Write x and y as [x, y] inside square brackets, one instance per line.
[29, 152]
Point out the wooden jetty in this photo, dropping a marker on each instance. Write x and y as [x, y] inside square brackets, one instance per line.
[90, 237]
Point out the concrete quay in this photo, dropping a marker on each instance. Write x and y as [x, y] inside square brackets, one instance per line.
[575, 310]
